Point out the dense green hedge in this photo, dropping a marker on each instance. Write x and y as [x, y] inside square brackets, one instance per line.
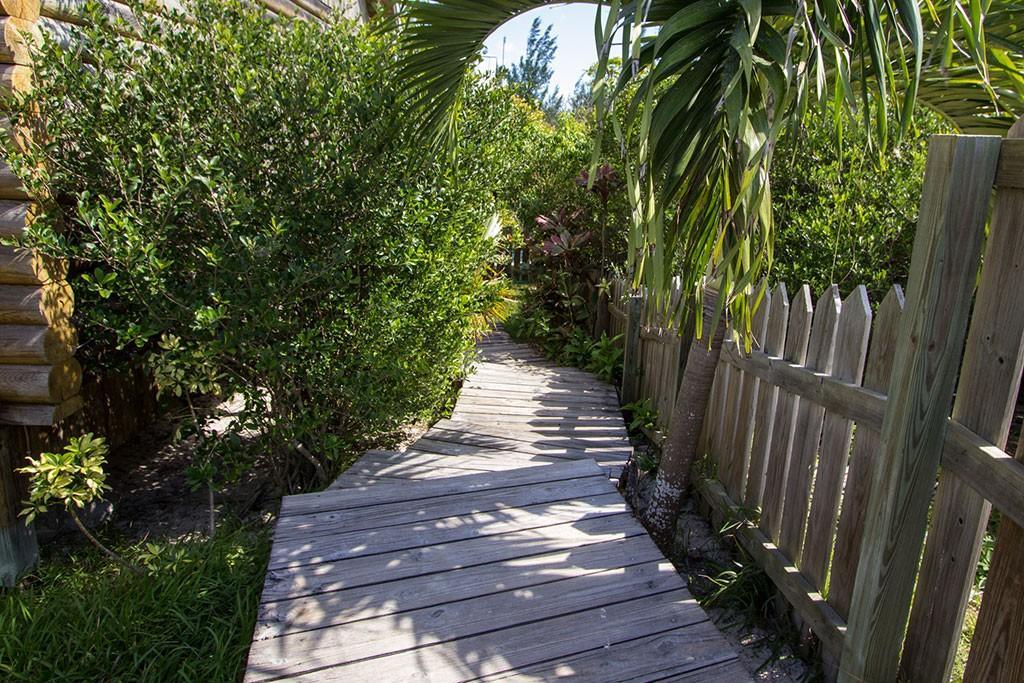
[245, 211]
[842, 214]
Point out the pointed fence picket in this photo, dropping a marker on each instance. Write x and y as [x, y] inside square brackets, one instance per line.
[828, 483]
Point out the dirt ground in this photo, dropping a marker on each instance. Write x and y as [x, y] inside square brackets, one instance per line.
[739, 598]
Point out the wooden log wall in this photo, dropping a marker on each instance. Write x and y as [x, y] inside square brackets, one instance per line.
[832, 482]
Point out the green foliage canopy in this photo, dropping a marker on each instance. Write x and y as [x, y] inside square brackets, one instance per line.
[244, 211]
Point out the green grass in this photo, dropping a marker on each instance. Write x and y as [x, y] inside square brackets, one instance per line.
[189, 617]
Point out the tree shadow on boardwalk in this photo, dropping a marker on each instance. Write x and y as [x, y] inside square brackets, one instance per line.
[567, 587]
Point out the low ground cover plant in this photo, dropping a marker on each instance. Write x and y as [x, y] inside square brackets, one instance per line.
[187, 615]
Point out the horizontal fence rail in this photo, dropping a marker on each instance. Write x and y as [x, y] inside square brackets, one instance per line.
[829, 483]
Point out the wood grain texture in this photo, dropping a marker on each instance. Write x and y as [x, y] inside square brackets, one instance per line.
[23, 9]
[985, 399]
[997, 653]
[734, 475]
[40, 383]
[985, 467]
[50, 304]
[27, 267]
[781, 446]
[798, 591]
[36, 344]
[951, 224]
[14, 214]
[39, 414]
[631, 356]
[848, 366]
[767, 398]
[809, 420]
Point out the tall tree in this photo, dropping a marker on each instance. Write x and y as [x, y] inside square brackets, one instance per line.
[710, 86]
[532, 74]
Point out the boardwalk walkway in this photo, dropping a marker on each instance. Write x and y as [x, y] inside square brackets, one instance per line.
[495, 547]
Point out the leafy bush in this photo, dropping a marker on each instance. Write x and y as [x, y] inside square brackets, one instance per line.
[244, 211]
[841, 214]
[72, 478]
[573, 345]
[189, 617]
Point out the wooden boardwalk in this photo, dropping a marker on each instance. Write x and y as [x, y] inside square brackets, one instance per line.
[495, 547]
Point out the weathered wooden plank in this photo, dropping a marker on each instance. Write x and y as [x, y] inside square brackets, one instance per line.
[810, 418]
[743, 432]
[536, 409]
[380, 636]
[985, 399]
[631, 366]
[798, 591]
[341, 545]
[413, 465]
[536, 372]
[781, 446]
[608, 433]
[306, 526]
[848, 366]
[527, 644]
[985, 467]
[331, 576]
[36, 344]
[767, 397]
[474, 391]
[997, 655]
[349, 605]
[339, 500]
[722, 446]
[691, 653]
[522, 449]
[954, 207]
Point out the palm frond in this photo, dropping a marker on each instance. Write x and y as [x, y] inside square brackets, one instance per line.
[707, 86]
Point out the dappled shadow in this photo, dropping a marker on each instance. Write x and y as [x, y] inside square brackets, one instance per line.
[486, 550]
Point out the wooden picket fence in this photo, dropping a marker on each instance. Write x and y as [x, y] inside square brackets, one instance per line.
[859, 449]
[655, 343]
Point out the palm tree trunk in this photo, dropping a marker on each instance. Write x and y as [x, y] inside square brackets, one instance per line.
[681, 447]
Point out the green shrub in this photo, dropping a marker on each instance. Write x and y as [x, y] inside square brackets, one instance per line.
[245, 212]
[841, 214]
[189, 617]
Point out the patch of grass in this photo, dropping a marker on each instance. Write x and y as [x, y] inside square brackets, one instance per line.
[188, 617]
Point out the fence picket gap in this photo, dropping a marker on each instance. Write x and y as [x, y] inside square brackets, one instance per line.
[863, 459]
[767, 398]
[781, 445]
[951, 224]
[848, 365]
[745, 412]
[809, 420]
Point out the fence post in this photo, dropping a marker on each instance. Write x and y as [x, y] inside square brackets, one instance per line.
[631, 355]
[954, 205]
[602, 315]
[985, 399]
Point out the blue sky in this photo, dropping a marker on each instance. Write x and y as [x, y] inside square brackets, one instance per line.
[574, 29]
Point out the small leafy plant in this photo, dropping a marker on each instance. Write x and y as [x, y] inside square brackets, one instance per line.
[72, 479]
[578, 349]
[606, 358]
[644, 415]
